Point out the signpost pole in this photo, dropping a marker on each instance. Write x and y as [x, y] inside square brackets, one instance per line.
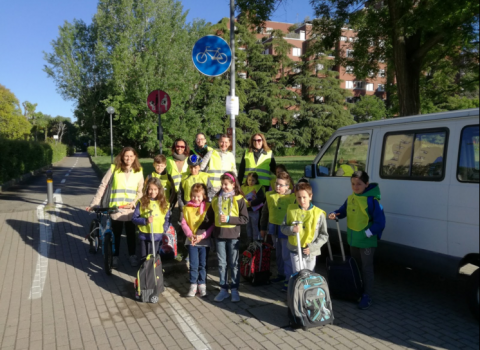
[232, 71]
[160, 131]
[111, 138]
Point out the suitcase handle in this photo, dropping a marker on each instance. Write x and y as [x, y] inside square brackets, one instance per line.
[299, 246]
[341, 242]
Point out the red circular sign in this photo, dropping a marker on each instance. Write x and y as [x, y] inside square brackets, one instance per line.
[159, 101]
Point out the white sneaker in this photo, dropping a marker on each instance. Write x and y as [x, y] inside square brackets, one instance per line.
[224, 294]
[193, 291]
[202, 289]
[235, 296]
[133, 260]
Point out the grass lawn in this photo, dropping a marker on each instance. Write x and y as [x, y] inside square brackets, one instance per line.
[294, 164]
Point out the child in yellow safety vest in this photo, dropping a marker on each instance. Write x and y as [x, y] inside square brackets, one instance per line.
[313, 228]
[230, 212]
[160, 172]
[273, 215]
[194, 177]
[198, 227]
[151, 208]
[365, 225]
[255, 198]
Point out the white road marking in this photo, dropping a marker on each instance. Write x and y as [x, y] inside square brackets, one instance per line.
[46, 221]
[63, 181]
[188, 325]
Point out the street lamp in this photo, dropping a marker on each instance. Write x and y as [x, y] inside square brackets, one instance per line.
[111, 110]
[95, 138]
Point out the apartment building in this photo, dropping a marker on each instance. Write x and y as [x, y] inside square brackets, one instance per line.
[300, 38]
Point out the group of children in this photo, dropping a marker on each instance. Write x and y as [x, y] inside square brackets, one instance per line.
[265, 211]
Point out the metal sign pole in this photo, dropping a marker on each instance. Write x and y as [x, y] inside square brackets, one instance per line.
[232, 71]
[111, 137]
[160, 129]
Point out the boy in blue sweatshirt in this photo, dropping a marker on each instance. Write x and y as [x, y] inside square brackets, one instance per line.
[365, 225]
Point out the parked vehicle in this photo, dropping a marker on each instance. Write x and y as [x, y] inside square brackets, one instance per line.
[427, 167]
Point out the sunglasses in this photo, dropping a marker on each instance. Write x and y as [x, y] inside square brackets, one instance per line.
[258, 140]
[179, 146]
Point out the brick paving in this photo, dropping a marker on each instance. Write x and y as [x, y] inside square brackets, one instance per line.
[83, 308]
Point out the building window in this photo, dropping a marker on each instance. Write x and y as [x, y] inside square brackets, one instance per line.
[417, 155]
[297, 70]
[381, 87]
[266, 52]
[320, 66]
[297, 52]
[349, 69]
[369, 87]
[381, 73]
[468, 169]
[359, 85]
[343, 38]
[350, 53]
[350, 40]
[242, 75]
[297, 86]
[349, 84]
[320, 99]
[268, 30]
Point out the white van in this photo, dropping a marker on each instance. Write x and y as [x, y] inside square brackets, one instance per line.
[427, 168]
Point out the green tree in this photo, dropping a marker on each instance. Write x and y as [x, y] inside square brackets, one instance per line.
[42, 123]
[323, 108]
[406, 33]
[369, 108]
[13, 125]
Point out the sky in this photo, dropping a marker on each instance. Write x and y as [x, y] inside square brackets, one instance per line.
[27, 28]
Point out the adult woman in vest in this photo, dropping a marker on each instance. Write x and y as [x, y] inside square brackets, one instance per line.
[221, 161]
[259, 159]
[127, 186]
[202, 150]
[177, 163]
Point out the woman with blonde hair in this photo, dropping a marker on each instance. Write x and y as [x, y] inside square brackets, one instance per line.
[258, 158]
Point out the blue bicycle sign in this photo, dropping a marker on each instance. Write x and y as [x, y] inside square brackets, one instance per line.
[212, 55]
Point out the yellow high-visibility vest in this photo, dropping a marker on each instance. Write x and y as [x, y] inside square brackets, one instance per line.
[229, 207]
[172, 170]
[309, 219]
[167, 186]
[189, 180]
[277, 206]
[262, 168]
[124, 192]
[215, 169]
[193, 217]
[158, 218]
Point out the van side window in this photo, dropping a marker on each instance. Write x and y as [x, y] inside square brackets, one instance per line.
[468, 167]
[347, 154]
[414, 155]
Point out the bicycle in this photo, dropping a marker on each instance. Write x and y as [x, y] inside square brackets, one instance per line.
[102, 237]
[202, 57]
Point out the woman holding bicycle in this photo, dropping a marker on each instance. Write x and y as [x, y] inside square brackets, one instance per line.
[125, 178]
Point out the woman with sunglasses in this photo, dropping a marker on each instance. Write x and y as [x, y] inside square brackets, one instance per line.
[258, 158]
[177, 163]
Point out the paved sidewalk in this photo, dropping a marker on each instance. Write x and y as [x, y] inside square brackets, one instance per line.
[54, 295]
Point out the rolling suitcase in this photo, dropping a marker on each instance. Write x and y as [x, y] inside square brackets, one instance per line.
[149, 282]
[308, 298]
[344, 277]
[255, 263]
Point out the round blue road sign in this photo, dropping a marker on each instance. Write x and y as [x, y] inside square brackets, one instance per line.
[212, 55]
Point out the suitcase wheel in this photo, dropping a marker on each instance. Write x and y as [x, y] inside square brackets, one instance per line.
[154, 299]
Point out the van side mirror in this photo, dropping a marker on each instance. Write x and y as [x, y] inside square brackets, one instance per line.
[309, 172]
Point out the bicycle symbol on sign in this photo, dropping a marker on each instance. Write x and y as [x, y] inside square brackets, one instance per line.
[202, 57]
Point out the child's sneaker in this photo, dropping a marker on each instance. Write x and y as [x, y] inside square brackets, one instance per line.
[202, 289]
[193, 291]
[235, 296]
[365, 303]
[224, 294]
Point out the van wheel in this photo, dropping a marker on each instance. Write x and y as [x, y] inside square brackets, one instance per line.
[474, 293]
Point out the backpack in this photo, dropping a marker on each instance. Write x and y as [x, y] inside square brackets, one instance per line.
[255, 263]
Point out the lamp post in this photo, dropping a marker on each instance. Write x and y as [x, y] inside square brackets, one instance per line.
[111, 110]
[232, 72]
[95, 138]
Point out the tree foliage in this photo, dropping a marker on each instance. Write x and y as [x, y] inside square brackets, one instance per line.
[369, 108]
[13, 125]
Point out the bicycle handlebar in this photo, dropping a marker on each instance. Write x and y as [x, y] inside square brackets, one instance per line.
[104, 210]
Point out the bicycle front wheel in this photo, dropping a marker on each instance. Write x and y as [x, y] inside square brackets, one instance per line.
[93, 236]
[108, 252]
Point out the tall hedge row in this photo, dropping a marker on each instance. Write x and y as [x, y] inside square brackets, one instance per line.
[19, 157]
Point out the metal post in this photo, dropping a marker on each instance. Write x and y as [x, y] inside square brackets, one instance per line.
[160, 130]
[95, 138]
[111, 138]
[50, 188]
[232, 71]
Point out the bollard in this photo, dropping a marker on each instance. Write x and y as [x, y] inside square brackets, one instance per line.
[50, 188]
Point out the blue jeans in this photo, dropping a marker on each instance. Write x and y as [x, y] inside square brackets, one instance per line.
[228, 253]
[284, 264]
[198, 261]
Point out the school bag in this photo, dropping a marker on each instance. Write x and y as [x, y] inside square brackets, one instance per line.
[344, 276]
[149, 282]
[168, 246]
[255, 263]
[308, 298]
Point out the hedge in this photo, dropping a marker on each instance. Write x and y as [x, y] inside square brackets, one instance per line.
[19, 157]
